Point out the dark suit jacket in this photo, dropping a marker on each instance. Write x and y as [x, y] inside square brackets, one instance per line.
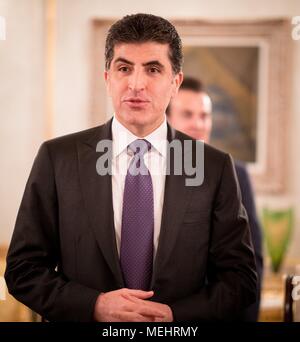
[251, 313]
[63, 250]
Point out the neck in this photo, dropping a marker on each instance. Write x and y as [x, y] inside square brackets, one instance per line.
[142, 131]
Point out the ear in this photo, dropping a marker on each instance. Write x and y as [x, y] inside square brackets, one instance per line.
[107, 82]
[177, 82]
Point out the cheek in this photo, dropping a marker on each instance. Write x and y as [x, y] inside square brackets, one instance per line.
[208, 125]
[186, 123]
[163, 92]
[117, 88]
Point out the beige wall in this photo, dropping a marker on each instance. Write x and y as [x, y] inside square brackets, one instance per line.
[21, 102]
[21, 66]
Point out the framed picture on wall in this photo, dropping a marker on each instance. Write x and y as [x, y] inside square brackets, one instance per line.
[230, 76]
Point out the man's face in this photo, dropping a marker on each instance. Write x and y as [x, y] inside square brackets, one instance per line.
[141, 83]
[190, 113]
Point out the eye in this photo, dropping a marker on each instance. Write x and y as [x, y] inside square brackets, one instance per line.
[154, 70]
[124, 69]
[204, 116]
[187, 115]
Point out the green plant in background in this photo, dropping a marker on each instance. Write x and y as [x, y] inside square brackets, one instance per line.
[277, 226]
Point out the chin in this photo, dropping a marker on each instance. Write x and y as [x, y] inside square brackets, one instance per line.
[138, 122]
[140, 117]
[193, 135]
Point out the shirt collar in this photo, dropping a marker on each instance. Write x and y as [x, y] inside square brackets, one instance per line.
[122, 137]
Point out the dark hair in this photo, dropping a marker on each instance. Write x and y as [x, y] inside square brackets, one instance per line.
[189, 83]
[141, 28]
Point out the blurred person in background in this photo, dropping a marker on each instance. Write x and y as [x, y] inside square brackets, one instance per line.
[191, 113]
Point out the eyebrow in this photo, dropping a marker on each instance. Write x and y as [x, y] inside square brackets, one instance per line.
[187, 111]
[155, 62]
[124, 60]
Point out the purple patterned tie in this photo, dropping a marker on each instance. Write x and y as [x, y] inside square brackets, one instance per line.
[136, 253]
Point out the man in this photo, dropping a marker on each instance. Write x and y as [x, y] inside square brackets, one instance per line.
[92, 246]
[191, 112]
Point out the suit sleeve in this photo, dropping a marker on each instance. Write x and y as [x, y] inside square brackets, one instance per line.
[251, 314]
[255, 229]
[231, 271]
[33, 256]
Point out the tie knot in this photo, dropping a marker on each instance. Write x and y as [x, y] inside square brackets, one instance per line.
[139, 146]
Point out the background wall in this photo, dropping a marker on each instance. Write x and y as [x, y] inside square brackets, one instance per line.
[23, 88]
[21, 102]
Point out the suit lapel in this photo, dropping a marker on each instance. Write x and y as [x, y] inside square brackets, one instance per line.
[97, 194]
[176, 199]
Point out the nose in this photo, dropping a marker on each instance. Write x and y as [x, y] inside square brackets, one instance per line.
[137, 81]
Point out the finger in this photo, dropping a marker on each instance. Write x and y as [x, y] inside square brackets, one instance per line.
[159, 319]
[139, 293]
[122, 316]
[132, 299]
[134, 307]
[140, 318]
[148, 311]
[145, 307]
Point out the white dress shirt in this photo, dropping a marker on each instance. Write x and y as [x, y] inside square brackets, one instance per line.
[155, 160]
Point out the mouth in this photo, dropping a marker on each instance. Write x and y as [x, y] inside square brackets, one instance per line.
[136, 102]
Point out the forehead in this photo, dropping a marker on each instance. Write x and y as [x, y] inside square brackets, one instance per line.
[143, 52]
[193, 100]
